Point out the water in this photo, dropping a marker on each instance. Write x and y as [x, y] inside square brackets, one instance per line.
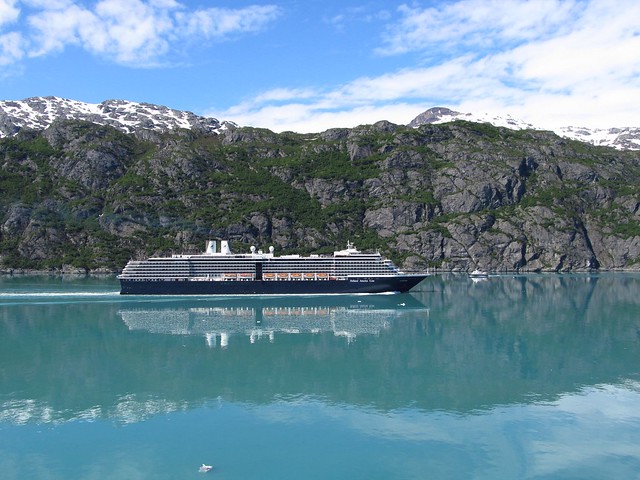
[514, 377]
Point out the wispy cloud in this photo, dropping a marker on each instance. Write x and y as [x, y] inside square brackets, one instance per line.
[545, 61]
[476, 25]
[10, 43]
[364, 100]
[130, 32]
[8, 11]
[11, 49]
[215, 23]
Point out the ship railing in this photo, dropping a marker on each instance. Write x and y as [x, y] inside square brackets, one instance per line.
[296, 276]
[238, 276]
[206, 278]
[221, 277]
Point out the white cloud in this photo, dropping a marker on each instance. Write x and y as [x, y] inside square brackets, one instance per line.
[55, 29]
[285, 94]
[477, 23]
[549, 62]
[11, 48]
[8, 12]
[11, 43]
[397, 97]
[131, 32]
[220, 22]
[314, 114]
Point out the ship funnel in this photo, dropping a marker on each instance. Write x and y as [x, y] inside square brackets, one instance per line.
[211, 247]
[224, 247]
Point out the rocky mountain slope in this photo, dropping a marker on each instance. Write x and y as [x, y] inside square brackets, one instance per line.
[78, 195]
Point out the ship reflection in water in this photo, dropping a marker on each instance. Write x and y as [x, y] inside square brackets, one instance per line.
[260, 319]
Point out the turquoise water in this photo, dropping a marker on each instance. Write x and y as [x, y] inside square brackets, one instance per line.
[513, 377]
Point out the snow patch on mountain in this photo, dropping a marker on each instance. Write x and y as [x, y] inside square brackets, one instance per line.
[39, 112]
[445, 115]
[621, 138]
[627, 138]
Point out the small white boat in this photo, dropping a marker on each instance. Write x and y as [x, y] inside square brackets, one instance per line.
[478, 274]
[205, 468]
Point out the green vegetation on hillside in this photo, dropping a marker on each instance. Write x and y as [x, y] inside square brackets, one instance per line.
[91, 197]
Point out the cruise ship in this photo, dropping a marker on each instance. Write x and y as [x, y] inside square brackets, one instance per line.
[221, 272]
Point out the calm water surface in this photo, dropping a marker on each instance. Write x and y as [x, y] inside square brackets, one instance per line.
[514, 377]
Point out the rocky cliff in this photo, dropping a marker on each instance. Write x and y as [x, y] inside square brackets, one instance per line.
[456, 196]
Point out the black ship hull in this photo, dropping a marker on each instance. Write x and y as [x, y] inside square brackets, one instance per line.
[399, 284]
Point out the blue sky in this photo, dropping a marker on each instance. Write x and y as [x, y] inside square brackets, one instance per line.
[311, 65]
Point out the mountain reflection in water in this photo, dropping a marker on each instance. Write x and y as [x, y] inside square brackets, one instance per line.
[456, 346]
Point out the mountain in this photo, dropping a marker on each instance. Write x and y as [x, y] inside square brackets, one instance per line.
[438, 115]
[76, 195]
[39, 112]
[621, 138]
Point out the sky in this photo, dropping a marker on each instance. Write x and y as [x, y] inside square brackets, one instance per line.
[307, 66]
